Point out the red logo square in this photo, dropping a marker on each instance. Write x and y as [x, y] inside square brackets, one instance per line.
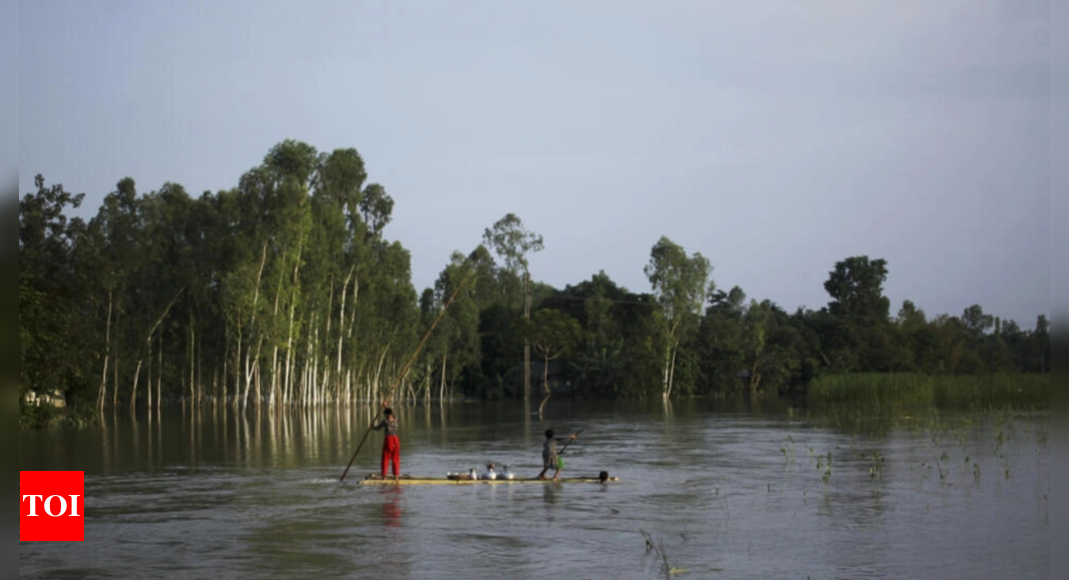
[52, 506]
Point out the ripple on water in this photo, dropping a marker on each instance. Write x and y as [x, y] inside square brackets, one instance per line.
[716, 489]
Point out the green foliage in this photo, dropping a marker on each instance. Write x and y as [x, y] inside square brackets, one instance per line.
[277, 290]
[551, 332]
[52, 288]
[903, 391]
[856, 289]
[681, 285]
[285, 290]
[512, 242]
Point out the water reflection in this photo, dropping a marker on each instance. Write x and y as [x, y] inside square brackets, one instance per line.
[391, 504]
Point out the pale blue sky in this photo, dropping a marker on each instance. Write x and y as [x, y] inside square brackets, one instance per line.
[774, 138]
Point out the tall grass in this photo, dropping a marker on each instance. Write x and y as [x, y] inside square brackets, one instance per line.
[905, 390]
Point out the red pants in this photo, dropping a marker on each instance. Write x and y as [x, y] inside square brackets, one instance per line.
[391, 452]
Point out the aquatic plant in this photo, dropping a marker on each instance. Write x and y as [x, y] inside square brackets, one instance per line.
[939, 465]
[657, 547]
[890, 391]
[875, 470]
[824, 465]
[788, 452]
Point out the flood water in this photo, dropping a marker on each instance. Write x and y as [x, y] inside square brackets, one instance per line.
[723, 491]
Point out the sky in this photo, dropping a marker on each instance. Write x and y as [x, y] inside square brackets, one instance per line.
[774, 138]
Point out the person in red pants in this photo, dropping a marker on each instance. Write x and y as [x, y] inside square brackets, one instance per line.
[391, 446]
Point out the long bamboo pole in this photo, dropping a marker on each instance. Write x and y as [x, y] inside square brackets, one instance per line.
[408, 365]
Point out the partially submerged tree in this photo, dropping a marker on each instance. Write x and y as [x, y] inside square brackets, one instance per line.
[681, 285]
[512, 242]
[552, 333]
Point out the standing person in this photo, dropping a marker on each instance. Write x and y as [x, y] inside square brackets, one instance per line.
[549, 454]
[391, 445]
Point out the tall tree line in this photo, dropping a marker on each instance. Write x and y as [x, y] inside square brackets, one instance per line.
[284, 290]
[281, 290]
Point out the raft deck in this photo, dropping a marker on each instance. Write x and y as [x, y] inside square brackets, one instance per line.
[412, 480]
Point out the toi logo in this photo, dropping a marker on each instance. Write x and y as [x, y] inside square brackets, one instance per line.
[51, 506]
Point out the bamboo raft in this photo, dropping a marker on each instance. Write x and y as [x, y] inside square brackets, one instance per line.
[375, 479]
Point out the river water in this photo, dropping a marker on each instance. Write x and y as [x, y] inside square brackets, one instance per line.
[721, 490]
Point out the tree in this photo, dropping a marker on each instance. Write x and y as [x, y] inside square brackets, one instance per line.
[976, 322]
[458, 342]
[513, 243]
[681, 285]
[292, 159]
[552, 333]
[722, 341]
[856, 289]
[911, 317]
[377, 207]
[758, 318]
[52, 287]
[857, 329]
[1040, 345]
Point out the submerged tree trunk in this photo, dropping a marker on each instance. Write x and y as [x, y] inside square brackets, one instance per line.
[427, 381]
[341, 326]
[115, 366]
[102, 394]
[115, 384]
[672, 372]
[526, 342]
[252, 358]
[133, 391]
[148, 344]
[159, 377]
[378, 371]
[545, 384]
[441, 385]
[755, 377]
[670, 350]
[664, 372]
[148, 379]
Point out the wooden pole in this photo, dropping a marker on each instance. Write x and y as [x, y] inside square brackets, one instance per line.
[408, 365]
[561, 452]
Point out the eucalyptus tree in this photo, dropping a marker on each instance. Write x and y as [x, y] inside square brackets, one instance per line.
[376, 206]
[331, 274]
[681, 285]
[394, 302]
[429, 306]
[486, 281]
[208, 245]
[387, 315]
[291, 166]
[244, 281]
[512, 242]
[166, 270]
[118, 227]
[455, 350]
[457, 346]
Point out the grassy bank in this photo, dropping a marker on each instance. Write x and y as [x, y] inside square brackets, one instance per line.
[889, 390]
